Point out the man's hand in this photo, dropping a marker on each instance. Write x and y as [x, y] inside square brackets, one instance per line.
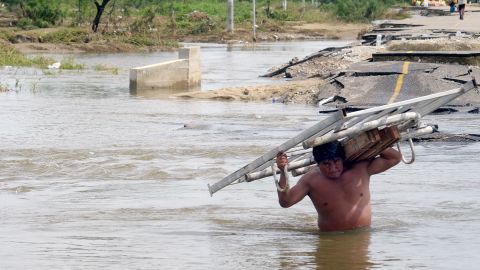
[282, 161]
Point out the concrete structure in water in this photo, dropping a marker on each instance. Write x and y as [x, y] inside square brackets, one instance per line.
[184, 73]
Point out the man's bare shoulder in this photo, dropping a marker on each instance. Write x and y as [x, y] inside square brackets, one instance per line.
[359, 165]
[314, 176]
[312, 173]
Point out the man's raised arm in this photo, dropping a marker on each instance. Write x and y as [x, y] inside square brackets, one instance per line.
[387, 159]
[289, 196]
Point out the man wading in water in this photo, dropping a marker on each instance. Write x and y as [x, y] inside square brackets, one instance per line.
[340, 192]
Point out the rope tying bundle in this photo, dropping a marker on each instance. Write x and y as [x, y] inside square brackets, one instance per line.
[285, 172]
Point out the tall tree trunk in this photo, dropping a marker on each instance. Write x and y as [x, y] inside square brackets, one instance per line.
[100, 9]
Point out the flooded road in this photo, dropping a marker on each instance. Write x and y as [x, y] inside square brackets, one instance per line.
[91, 177]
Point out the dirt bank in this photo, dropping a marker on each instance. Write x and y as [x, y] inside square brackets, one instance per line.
[32, 42]
[307, 86]
[301, 91]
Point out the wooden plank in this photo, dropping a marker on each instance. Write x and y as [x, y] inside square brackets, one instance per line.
[388, 136]
[358, 145]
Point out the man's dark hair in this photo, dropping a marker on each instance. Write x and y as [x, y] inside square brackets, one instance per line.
[328, 151]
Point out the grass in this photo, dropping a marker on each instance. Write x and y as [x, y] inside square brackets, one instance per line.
[101, 67]
[67, 35]
[48, 72]
[10, 57]
[146, 40]
[69, 63]
[3, 88]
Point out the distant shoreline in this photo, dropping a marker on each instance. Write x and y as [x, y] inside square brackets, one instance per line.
[31, 41]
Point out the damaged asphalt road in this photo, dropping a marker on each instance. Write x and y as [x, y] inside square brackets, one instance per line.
[368, 84]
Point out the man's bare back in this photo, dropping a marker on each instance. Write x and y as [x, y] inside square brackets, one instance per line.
[341, 195]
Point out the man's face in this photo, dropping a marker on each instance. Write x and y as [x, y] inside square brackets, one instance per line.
[331, 168]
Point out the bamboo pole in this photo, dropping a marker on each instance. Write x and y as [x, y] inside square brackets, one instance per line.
[239, 175]
[291, 166]
[395, 119]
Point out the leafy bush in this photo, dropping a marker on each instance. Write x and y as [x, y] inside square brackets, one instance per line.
[39, 13]
[145, 21]
[25, 23]
[43, 12]
[360, 10]
[280, 15]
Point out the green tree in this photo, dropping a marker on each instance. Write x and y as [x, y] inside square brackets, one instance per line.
[41, 13]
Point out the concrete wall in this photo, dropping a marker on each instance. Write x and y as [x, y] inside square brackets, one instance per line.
[194, 68]
[181, 74]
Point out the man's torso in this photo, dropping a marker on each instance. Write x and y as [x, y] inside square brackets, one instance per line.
[342, 203]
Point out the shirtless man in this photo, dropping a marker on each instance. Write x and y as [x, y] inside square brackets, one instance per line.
[340, 192]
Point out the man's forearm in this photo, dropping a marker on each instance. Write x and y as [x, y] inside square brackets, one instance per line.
[283, 181]
[283, 191]
[391, 154]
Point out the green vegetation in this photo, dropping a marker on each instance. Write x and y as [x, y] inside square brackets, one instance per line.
[3, 88]
[101, 67]
[361, 10]
[36, 13]
[69, 63]
[66, 35]
[161, 24]
[10, 57]
[187, 17]
[145, 40]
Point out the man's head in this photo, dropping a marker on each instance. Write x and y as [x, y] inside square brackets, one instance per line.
[329, 158]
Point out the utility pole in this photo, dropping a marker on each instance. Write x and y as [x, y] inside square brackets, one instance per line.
[230, 16]
[254, 16]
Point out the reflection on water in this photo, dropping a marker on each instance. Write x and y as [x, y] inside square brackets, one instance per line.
[92, 177]
[343, 251]
[162, 92]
